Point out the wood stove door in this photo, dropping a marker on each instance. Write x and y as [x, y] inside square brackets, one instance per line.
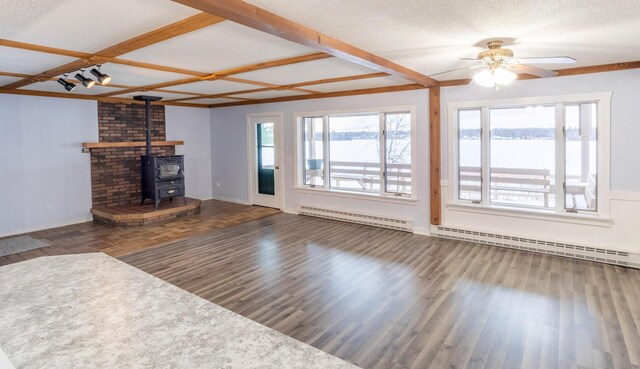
[264, 133]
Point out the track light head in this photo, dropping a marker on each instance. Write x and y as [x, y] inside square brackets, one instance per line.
[86, 82]
[103, 78]
[67, 85]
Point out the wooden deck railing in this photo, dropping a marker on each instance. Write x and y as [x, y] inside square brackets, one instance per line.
[367, 175]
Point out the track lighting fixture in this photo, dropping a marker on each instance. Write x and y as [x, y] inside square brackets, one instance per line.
[67, 85]
[103, 78]
[86, 82]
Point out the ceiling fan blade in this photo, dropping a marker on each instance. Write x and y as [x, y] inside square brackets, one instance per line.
[453, 70]
[547, 60]
[521, 68]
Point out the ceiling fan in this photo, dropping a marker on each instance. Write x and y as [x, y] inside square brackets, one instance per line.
[500, 67]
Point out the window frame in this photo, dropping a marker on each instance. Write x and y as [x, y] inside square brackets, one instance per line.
[600, 216]
[326, 187]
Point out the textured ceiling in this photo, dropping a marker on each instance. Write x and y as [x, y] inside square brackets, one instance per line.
[28, 62]
[85, 25]
[431, 36]
[221, 46]
[427, 36]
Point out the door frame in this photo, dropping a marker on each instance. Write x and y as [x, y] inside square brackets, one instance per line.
[279, 156]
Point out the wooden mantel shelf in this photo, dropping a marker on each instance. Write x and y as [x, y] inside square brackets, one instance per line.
[102, 145]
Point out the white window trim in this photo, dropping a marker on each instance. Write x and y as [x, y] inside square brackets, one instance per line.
[381, 196]
[601, 217]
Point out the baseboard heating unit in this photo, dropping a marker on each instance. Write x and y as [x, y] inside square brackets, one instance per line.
[622, 258]
[359, 218]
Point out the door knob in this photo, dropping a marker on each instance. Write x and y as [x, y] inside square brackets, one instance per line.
[277, 167]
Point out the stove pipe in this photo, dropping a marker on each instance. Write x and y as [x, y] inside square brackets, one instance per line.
[147, 115]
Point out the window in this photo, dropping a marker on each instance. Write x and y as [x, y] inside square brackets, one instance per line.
[364, 152]
[544, 153]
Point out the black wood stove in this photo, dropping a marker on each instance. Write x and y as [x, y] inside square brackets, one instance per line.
[162, 176]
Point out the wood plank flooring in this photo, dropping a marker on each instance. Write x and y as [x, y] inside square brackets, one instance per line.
[92, 237]
[388, 299]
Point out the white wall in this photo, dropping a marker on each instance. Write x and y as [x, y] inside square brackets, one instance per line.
[46, 179]
[193, 126]
[623, 232]
[229, 153]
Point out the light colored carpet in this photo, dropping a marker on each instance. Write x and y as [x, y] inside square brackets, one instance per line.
[15, 245]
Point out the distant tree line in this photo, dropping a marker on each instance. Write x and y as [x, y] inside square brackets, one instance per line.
[521, 133]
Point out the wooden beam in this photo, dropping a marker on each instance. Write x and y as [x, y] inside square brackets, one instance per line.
[337, 79]
[434, 156]
[186, 25]
[365, 91]
[64, 95]
[291, 86]
[228, 72]
[225, 94]
[265, 84]
[251, 16]
[78, 54]
[103, 145]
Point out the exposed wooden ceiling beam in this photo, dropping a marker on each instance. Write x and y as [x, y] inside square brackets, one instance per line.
[337, 79]
[225, 94]
[273, 86]
[292, 86]
[228, 72]
[110, 85]
[102, 58]
[365, 91]
[252, 16]
[181, 27]
[64, 95]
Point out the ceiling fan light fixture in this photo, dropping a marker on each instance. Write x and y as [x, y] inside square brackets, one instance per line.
[503, 77]
[103, 78]
[494, 77]
[484, 78]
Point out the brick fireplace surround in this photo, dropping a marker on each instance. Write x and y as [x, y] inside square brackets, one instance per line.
[115, 172]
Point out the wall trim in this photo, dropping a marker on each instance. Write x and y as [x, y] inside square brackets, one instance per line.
[422, 231]
[46, 226]
[624, 196]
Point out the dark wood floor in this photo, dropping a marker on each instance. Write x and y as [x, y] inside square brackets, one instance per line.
[92, 237]
[388, 299]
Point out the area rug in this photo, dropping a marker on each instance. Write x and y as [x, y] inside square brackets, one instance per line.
[15, 245]
[93, 311]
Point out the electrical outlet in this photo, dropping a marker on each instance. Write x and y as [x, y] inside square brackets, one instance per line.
[48, 208]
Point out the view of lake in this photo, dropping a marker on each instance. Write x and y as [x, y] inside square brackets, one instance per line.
[531, 153]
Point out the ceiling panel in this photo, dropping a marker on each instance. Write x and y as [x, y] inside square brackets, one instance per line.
[214, 87]
[53, 86]
[359, 84]
[164, 95]
[28, 62]
[218, 47]
[431, 36]
[307, 71]
[270, 94]
[132, 76]
[4, 80]
[85, 25]
[212, 101]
